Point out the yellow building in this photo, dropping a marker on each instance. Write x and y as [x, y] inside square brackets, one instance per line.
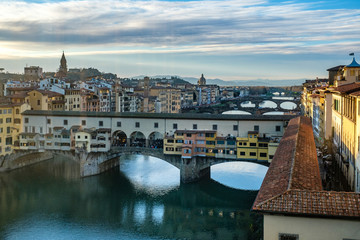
[45, 100]
[10, 126]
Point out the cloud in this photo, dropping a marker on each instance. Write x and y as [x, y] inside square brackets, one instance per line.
[207, 27]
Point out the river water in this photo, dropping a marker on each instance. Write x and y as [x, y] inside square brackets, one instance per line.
[142, 199]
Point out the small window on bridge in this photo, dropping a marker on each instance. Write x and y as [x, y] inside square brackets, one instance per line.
[214, 127]
[235, 127]
[118, 124]
[263, 155]
[101, 123]
[252, 144]
[65, 122]
[175, 126]
[156, 125]
[194, 126]
[242, 153]
[278, 128]
[137, 124]
[256, 127]
[286, 236]
[83, 122]
[252, 154]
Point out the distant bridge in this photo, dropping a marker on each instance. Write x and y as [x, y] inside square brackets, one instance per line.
[236, 104]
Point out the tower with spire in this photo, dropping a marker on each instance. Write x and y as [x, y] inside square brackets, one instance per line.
[63, 67]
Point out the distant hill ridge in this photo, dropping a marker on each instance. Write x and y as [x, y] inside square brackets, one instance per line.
[220, 82]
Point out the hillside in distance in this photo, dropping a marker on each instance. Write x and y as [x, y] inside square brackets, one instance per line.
[220, 82]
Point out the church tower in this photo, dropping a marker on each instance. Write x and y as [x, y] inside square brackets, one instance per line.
[63, 67]
[202, 80]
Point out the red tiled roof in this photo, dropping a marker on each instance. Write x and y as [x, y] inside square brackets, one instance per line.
[292, 184]
[348, 88]
[314, 203]
[355, 94]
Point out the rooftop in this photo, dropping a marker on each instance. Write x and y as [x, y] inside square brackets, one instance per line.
[353, 64]
[292, 185]
[348, 88]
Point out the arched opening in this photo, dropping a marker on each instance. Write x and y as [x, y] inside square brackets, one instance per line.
[267, 104]
[239, 175]
[247, 104]
[288, 105]
[137, 139]
[156, 140]
[239, 112]
[119, 139]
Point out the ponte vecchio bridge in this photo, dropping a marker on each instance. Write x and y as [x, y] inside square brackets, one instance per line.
[100, 138]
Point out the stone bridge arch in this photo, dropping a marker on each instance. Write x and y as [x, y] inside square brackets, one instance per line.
[294, 105]
[119, 138]
[137, 139]
[156, 140]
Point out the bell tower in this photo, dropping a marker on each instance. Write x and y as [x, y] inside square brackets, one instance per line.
[63, 67]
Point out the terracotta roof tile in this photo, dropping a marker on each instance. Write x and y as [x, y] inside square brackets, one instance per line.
[348, 88]
[292, 184]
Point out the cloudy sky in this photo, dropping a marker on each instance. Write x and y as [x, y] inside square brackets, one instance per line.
[231, 40]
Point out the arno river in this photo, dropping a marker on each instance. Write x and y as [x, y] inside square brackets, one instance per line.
[143, 200]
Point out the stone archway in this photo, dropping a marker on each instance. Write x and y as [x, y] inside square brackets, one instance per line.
[119, 139]
[156, 140]
[137, 139]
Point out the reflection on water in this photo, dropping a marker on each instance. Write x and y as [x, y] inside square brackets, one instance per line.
[47, 203]
[239, 175]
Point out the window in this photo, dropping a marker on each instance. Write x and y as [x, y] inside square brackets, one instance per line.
[278, 128]
[8, 130]
[252, 144]
[86, 137]
[287, 236]
[220, 142]
[49, 121]
[256, 127]
[101, 123]
[1, 120]
[187, 150]
[252, 154]
[83, 122]
[38, 102]
[188, 135]
[137, 124]
[9, 111]
[194, 126]
[235, 127]
[78, 136]
[118, 124]
[8, 141]
[8, 120]
[214, 127]
[17, 111]
[156, 125]
[175, 126]
[65, 122]
[242, 153]
[263, 155]
[26, 120]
